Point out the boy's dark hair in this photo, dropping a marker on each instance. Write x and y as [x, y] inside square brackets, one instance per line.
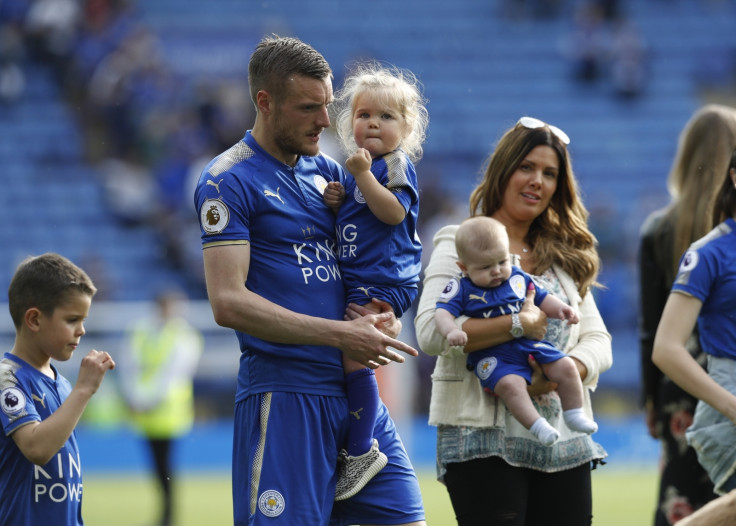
[45, 282]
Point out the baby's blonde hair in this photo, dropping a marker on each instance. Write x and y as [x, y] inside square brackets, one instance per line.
[478, 234]
[399, 88]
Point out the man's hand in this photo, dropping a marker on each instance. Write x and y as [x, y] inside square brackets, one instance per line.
[375, 319]
[392, 326]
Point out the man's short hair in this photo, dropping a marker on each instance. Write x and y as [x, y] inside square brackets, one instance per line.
[275, 59]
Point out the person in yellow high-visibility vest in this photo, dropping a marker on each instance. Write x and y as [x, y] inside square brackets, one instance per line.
[156, 376]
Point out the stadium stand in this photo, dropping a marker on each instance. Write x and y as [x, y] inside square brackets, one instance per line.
[481, 69]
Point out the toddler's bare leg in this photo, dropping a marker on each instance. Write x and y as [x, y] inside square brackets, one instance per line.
[566, 375]
[570, 389]
[512, 390]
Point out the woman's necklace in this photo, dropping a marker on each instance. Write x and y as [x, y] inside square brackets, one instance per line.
[524, 250]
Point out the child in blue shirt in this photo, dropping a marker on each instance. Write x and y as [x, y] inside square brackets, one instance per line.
[40, 472]
[492, 286]
[382, 125]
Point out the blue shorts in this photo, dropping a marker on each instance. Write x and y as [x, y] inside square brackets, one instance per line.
[400, 298]
[492, 364]
[285, 449]
[712, 434]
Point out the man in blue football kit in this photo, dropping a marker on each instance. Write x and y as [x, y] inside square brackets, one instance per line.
[272, 275]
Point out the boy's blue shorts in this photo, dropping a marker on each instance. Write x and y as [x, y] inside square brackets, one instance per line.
[285, 449]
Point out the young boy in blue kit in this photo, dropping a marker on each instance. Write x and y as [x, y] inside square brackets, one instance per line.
[381, 125]
[492, 286]
[40, 472]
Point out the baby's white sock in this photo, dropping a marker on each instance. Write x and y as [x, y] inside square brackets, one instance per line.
[542, 429]
[577, 421]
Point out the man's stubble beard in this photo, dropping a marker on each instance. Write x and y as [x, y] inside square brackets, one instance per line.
[286, 139]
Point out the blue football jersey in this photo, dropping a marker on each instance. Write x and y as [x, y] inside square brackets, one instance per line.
[708, 272]
[30, 494]
[371, 252]
[245, 195]
[462, 297]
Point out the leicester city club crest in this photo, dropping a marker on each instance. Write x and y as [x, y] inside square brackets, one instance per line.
[271, 503]
[518, 285]
[485, 367]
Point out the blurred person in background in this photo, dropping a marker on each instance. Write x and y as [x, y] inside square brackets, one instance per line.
[704, 294]
[703, 153]
[272, 275]
[495, 472]
[156, 378]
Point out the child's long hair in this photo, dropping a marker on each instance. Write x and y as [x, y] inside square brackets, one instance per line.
[399, 88]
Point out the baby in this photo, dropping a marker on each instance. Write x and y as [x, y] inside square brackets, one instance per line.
[491, 286]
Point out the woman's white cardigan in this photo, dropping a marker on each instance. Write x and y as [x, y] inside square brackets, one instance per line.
[457, 397]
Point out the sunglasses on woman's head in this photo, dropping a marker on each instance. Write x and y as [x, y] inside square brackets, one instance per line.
[532, 124]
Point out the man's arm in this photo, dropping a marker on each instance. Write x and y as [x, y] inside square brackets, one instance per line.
[234, 306]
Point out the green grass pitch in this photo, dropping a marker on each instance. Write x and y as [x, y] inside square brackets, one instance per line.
[619, 497]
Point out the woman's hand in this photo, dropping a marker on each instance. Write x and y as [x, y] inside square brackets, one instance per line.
[533, 320]
[540, 385]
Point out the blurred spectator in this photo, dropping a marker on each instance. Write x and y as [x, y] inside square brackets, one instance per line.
[526, 9]
[51, 28]
[130, 191]
[610, 9]
[156, 373]
[587, 45]
[12, 77]
[145, 125]
[628, 60]
[97, 269]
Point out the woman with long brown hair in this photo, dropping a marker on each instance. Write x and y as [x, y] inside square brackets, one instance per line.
[495, 471]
